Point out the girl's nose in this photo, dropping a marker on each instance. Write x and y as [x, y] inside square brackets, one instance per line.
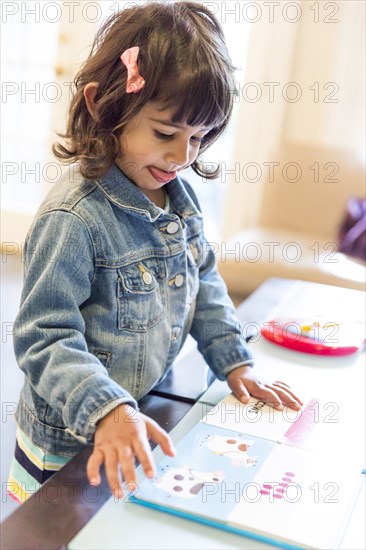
[179, 154]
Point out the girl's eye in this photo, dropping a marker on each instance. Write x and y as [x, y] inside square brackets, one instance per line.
[165, 137]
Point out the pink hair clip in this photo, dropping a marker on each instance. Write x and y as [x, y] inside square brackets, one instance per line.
[135, 82]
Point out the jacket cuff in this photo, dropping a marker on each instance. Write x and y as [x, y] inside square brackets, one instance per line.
[89, 402]
[236, 354]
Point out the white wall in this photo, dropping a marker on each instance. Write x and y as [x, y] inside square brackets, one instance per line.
[325, 47]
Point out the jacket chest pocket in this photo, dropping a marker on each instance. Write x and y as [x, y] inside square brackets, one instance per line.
[140, 295]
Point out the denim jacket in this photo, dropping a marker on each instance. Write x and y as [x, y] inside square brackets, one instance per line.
[113, 285]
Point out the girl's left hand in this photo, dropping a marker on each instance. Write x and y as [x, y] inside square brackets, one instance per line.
[243, 382]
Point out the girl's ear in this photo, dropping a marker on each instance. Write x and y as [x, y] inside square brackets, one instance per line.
[90, 92]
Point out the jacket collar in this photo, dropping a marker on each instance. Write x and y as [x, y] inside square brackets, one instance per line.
[122, 192]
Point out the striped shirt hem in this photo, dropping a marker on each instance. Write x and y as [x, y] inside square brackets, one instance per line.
[31, 466]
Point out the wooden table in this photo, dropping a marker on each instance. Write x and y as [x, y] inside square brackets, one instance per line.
[58, 511]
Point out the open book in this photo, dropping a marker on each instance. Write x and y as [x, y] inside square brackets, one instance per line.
[284, 477]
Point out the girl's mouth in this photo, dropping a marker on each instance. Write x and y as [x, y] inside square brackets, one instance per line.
[160, 175]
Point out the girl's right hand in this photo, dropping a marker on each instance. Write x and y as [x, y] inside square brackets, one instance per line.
[120, 437]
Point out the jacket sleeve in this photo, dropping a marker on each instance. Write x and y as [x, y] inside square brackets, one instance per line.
[49, 329]
[215, 326]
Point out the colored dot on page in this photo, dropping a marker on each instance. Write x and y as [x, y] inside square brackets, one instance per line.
[264, 492]
[286, 479]
[289, 474]
[266, 486]
[277, 496]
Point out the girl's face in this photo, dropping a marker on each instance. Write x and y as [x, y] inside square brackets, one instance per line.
[153, 149]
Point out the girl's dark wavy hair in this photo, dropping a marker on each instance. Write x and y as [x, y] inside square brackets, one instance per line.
[185, 63]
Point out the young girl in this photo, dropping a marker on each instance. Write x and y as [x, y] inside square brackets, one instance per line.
[118, 270]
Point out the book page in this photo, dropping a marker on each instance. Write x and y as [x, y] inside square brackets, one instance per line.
[320, 426]
[256, 485]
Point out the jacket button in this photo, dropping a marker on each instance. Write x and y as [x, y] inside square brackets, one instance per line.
[172, 228]
[179, 280]
[146, 277]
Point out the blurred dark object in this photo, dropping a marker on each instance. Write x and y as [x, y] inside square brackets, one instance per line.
[352, 233]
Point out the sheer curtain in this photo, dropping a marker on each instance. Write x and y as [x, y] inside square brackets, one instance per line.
[42, 46]
[28, 51]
